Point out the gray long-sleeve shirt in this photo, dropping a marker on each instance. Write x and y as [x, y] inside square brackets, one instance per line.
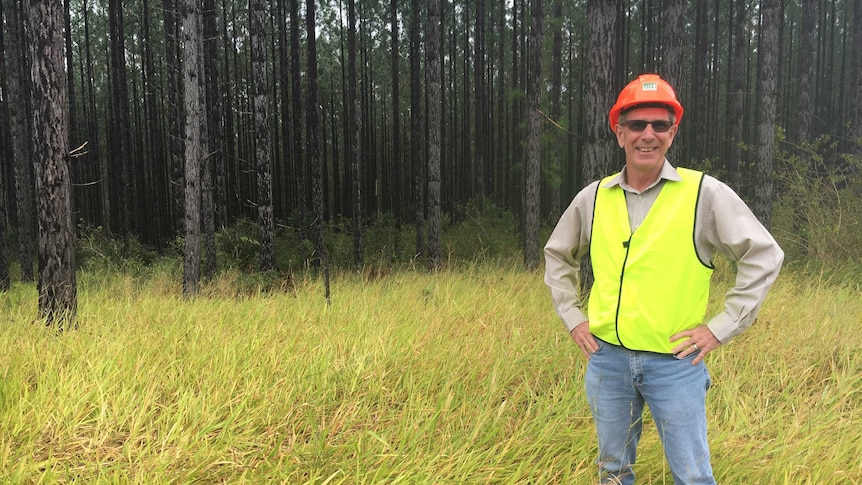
[724, 224]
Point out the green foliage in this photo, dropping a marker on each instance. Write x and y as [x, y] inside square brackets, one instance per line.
[96, 248]
[483, 235]
[818, 213]
[477, 236]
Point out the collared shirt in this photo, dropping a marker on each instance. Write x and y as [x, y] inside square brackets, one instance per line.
[724, 224]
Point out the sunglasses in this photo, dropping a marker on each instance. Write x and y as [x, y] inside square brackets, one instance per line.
[658, 126]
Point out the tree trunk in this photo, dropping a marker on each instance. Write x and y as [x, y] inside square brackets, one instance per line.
[400, 196]
[417, 160]
[479, 109]
[75, 175]
[215, 115]
[96, 187]
[534, 138]
[857, 78]
[598, 156]
[768, 58]
[207, 201]
[804, 117]
[736, 115]
[700, 85]
[20, 129]
[556, 155]
[57, 286]
[312, 123]
[434, 128]
[263, 160]
[600, 91]
[193, 155]
[4, 172]
[673, 38]
[175, 112]
[353, 134]
[119, 139]
[299, 175]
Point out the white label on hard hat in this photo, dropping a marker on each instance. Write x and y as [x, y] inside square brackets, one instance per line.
[649, 86]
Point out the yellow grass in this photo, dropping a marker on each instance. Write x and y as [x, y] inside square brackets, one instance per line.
[465, 376]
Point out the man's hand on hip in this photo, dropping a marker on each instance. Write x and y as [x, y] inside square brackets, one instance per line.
[585, 340]
[699, 339]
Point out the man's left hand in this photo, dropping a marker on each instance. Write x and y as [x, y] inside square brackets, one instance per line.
[699, 339]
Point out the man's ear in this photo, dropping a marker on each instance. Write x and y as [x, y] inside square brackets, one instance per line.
[619, 132]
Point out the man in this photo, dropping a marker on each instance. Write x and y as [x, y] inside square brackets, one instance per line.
[651, 232]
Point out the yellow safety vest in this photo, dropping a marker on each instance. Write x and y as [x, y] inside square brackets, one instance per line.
[649, 284]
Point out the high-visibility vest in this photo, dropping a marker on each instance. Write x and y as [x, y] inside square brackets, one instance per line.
[650, 283]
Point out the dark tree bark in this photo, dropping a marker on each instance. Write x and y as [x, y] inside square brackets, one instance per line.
[207, 203]
[211, 137]
[673, 36]
[768, 58]
[312, 114]
[805, 113]
[263, 158]
[152, 195]
[4, 172]
[699, 107]
[193, 155]
[857, 78]
[534, 138]
[556, 155]
[417, 160]
[737, 95]
[284, 167]
[353, 134]
[119, 147]
[215, 115]
[600, 90]
[96, 185]
[175, 113]
[400, 197]
[299, 176]
[20, 128]
[74, 126]
[600, 95]
[434, 128]
[480, 111]
[228, 180]
[57, 286]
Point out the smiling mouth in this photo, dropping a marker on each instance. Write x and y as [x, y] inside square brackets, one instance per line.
[646, 150]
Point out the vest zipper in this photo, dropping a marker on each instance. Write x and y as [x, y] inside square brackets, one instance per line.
[626, 244]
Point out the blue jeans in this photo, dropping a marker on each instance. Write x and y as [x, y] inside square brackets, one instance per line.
[619, 382]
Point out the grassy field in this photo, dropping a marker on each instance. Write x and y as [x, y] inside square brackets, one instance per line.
[462, 377]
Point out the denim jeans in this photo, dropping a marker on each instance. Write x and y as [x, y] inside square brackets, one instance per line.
[619, 382]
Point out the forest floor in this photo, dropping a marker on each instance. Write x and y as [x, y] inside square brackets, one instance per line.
[465, 376]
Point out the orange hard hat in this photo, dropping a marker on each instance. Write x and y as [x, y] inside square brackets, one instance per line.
[647, 89]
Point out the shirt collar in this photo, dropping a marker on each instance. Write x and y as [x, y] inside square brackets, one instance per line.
[667, 173]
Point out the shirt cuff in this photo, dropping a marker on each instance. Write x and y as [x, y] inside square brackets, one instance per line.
[573, 318]
[723, 327]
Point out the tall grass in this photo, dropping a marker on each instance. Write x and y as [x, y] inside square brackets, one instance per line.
[465, 376]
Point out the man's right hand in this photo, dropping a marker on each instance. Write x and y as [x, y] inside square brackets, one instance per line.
[585, 340]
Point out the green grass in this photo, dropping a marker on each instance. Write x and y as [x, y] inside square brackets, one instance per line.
[463, 377]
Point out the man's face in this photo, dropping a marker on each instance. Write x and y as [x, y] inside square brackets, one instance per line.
[645, 150]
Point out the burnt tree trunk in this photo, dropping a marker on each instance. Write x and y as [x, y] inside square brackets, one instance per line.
[18, 79]
[434, 128]
[56, 240]
[534, 139]
[312, 114]
[193, 111]
[263, 161]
